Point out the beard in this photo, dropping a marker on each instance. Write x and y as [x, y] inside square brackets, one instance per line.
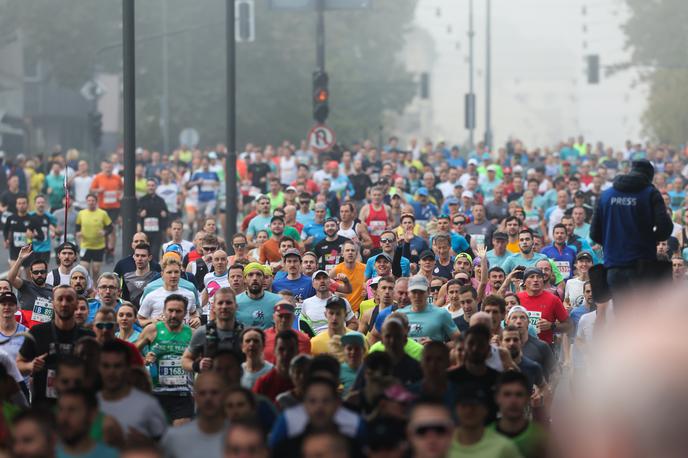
[255, 289]
[39, 281]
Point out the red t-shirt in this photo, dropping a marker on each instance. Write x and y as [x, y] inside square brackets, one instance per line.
[269, 352]
[546, 306]
[272, 384]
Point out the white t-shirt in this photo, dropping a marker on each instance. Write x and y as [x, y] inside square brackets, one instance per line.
[287, 170]
[455, 314]
[64, 278]
[213, 283]
[153, 305]
[168, 193]
[314, 309]
[188, 440]
[82, 186]
[574, 292]
[137, 410]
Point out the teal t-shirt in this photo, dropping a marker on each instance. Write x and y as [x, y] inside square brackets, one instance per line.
[494, 260]
[347, 376]
[256, 312]
[99, 451]
[433, 322]
[258, 223]
[517, 259]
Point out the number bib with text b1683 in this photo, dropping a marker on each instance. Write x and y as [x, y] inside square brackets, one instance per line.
[170, 371]
[42, 310]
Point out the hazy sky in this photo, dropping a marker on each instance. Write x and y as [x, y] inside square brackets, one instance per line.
[540, 91]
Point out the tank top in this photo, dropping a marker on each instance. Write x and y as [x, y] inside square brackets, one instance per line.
[287, 170]
[167, 372]
[349, 233]
[377, 223]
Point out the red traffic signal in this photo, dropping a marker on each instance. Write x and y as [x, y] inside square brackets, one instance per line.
[321, 96]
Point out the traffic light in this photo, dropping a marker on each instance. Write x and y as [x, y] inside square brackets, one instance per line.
[593, 69]
[321, 96]
[245, 21]
[95, 127]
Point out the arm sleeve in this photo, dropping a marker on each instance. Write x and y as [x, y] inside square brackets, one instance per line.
[396, 263]
[596, 224]
[279, 432]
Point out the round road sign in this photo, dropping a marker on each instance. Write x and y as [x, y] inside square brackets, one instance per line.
[321, 138]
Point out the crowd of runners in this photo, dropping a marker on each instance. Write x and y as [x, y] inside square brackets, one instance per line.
[419, 300]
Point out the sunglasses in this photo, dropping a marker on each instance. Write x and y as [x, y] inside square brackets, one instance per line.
[386, 240]
[239, 245]
[435, 289]
[438, 429]
[105, 325]
[39, 272]
[209, 248]
[459, 221]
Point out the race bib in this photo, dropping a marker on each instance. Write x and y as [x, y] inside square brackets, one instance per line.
[208, 186]
[564, 267]
[151, 225]
[534, 317]
[170, 371]
[42, 310]
[377, 227]
[19, 239]
[110, 197]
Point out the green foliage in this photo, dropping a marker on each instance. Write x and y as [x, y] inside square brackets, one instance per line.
[656, 32]
[273, 73]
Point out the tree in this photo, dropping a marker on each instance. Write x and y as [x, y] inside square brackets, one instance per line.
[657, 31]
[273, 73]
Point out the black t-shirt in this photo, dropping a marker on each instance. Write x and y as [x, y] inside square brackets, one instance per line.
[259, 170]
[44, 223]
[329, 253]
[538, 351]
[9, 199]
[461, 323]
[15, 231]
[127, 264]
[532, 370]
[443, 271]
[487, 382]
[361, 182]
[32, 295]
[48, 339]
[133, 285]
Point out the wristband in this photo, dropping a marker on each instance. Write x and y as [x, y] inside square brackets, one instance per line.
[554, 327]
[196, 366]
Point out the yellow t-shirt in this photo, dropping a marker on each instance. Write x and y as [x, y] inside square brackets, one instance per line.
[513, 247]
[321, 343]
[357, 279]
[366, 305]
[92, 223]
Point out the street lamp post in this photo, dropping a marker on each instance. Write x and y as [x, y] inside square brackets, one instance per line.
[129, 113]
[488, 76]
[230, 160]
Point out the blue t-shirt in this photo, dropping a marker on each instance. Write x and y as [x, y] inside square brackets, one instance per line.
[206, 191]
[315, 230]
[517, 259]
[257, 312]
[494, 260]
[564, 260]
[43, 246]
[305, 218]
[302, 287]
[433, 322]
[424, 212]
[257, 224]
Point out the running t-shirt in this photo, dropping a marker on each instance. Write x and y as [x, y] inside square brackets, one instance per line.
[153, 304]
[302, 287]
[433, 322]
[207, 190]
[113, 187]
[92, 224]
[167, 372]
[544, 306]
[313, 310]
[256, 312]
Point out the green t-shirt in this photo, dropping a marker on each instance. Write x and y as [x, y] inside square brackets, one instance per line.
[532, 441]
[412, 348]
[492, 445]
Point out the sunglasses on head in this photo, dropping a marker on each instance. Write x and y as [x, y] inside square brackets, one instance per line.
[105, 325]
[439, 429]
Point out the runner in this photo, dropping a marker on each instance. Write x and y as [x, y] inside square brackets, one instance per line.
[108, 189]
[93, 226]
[376, 215]
[20, 229]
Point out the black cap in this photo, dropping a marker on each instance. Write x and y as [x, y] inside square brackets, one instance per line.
[500, 236]
[68, 246]
[336, 302]
[579, 194]
[8, 297]
[532, 271]
[643, 167]
[583, 254]
[427, 254]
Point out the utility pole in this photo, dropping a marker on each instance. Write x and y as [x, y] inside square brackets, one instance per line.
[488, 76]
[320, 36]
[129, 108]
[470, 102]
[230, 161]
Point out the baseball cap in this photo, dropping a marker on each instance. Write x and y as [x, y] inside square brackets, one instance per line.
[336, 301]
[427, 254]
[267, 271]
[8, 297]
[292, 252]
[451, 200]
[291, 188]
[353, 338]
[418, 283]
[375, 281]
[532, 271]
[253, 267]
[334, 164]
[516, 308]
[383, 255]
[507, 170]
[319, 272]
[174, 248]
[471, 393]
[517, 169]
[212, 155]
[464, 255]
[491, 168]
[473, 161]
[584, 254]
[579, 194]
[284, 308]
[422, 191]
[500, 236]
[67, 246]
[467, 194]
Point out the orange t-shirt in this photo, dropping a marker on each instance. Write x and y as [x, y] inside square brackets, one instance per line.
[357, 279]
[113, 187]
[269, 251]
